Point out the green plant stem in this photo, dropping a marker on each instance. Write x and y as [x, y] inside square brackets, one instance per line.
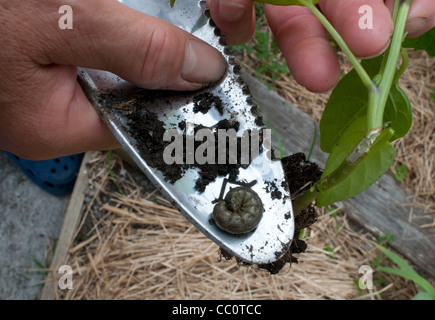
[367, 81]
[396, 10]
[378, 92]
[386, 55]
[403, 66]
[343, 171]
[372, 104]
[348, 165]
[378, 95]
[302, 201]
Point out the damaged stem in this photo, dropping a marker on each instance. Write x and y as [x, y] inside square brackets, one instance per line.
[364, 148]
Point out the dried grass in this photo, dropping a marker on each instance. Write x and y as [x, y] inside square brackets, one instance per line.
[136, 246]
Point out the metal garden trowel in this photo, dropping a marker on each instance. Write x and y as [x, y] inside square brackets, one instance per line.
[256, 189]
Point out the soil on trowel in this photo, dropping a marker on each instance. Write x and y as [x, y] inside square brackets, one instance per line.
[209, 172]
[203, 102]
[300, 175]
[148, 131]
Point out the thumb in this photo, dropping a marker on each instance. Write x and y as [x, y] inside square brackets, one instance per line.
[140, 48]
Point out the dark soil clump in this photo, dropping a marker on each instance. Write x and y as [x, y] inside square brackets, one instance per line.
[273, 190]
[209, 172]
[203, 102]
[148, 132]
[300, 173]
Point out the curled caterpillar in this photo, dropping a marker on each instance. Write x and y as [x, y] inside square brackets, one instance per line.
[240, 211]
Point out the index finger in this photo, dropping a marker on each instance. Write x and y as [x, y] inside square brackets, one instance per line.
[305, 45]
[365, 40]
[421, 17]
[235, 18]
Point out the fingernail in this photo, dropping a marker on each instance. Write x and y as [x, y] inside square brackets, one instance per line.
[377, 54]
[230, 10]
[415, 25]
[202, 63]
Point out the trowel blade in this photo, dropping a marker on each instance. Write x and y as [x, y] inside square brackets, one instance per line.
[116, 101]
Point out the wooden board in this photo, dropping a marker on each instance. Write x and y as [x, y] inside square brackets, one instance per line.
[70, 223]
[381, 209]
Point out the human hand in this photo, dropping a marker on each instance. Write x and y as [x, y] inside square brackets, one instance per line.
[303, 40]
[44, 112]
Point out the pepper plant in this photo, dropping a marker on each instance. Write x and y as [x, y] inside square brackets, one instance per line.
[366, 112]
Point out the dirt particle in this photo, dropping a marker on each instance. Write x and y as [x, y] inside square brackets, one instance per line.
[204, 101]
[272, 188]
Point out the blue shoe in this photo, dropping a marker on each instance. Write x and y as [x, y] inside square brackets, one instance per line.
[56, 176]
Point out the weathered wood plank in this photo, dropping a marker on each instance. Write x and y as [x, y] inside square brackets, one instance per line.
[380, 209]
[70, 223]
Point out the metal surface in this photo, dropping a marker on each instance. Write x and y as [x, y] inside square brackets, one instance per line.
[273, 236]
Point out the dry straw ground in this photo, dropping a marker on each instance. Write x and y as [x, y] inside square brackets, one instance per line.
[134, 245]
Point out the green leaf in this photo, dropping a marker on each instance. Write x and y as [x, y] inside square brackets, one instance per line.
[348, 101]
[385, 238]
[38, 264]
[401, 172]
[172, 3]
[379, 159]
[422, 296]
[398, 111]
[351, 137]
[406, 271]
[395, 258]
[263, 50]
[424, 42]
[328, 248]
